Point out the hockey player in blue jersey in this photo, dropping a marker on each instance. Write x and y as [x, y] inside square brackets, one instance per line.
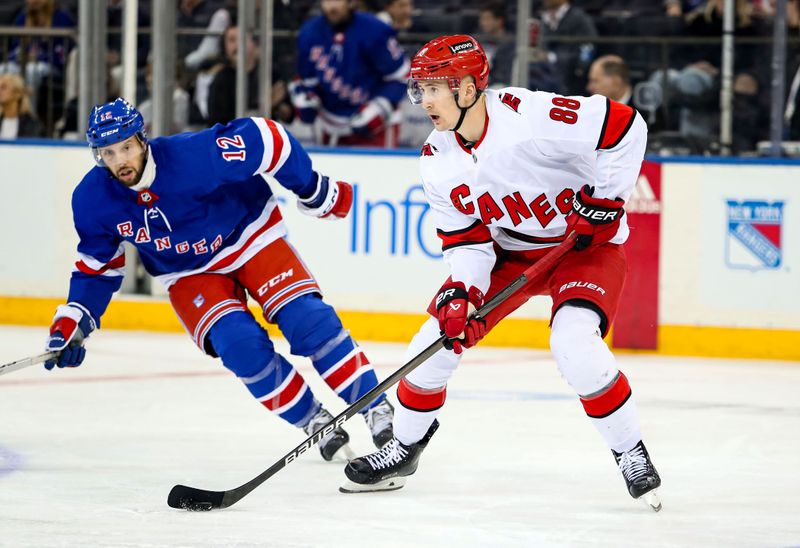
[206, 224]
[351, 76]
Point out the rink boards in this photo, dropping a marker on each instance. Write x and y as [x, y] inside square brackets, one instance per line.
[716, 255]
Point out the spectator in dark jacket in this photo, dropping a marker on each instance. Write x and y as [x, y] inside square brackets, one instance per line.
[16, 118]
[222, 93]
[498, 44]
[560, 19]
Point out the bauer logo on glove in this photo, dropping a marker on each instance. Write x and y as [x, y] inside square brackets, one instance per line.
[595, 220]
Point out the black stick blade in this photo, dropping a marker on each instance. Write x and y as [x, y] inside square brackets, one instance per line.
[194, 500]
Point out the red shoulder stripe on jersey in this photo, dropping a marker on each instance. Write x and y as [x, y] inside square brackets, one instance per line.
[116, 262]
[476, 233]
[612, 398]
[618, 121]
[419, 399]
[532, 239]
[277, 144]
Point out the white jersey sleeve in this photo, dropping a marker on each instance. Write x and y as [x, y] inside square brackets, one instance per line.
[582, 125]
[466, 242]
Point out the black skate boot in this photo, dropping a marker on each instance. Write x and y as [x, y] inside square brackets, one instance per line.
[331, 444]
[640, 475]
[379, 421]
[385, 470]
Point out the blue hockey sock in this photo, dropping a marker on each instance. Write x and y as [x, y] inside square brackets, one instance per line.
[246, 350]
[346, 369]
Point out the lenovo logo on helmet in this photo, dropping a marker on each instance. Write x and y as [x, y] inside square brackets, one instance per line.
[462, 46]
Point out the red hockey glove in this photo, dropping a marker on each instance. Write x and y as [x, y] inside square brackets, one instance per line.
[454, 304]
[330, 201]
[372, 117]
[71, 326]
[595, 220]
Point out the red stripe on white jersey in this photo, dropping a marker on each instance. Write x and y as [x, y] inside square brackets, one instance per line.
[620, 118]
[476, 233]
[420, 399]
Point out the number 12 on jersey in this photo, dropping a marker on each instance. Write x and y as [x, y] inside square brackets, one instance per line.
[235, 142]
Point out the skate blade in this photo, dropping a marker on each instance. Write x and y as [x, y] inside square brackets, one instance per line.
[391, 484]
[651, 499]
[343, 454]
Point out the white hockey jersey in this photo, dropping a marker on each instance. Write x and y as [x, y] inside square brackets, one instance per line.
[515, 185]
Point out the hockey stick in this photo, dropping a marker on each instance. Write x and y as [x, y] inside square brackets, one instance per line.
[191, 498]
[33, 360]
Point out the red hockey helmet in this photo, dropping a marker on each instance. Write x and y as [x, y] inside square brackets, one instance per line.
[448, 58]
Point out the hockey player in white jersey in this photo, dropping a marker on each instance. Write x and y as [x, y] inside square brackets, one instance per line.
[508, 174]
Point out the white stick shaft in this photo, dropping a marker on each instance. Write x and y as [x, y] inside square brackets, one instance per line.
[20, 364]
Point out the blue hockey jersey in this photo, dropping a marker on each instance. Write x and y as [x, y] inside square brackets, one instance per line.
[208, 209]
[348, 68]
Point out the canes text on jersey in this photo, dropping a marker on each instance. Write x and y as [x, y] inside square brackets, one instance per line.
[513, 205]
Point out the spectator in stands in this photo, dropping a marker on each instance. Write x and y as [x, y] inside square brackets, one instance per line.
[706, 21]
[16, 118]
[222, 93]
[212, 15]
[694, 96]
[619, 8]
[676, 8]
[399, 14]
[114, 15]
[351, 76]
[609, 76]
[180, 102]
[560, 19]
[41, 55]
[751, 113]
[497, 42]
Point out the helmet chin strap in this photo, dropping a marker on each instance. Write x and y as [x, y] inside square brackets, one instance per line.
[464, 109]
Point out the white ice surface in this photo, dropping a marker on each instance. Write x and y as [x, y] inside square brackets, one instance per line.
[87, 456]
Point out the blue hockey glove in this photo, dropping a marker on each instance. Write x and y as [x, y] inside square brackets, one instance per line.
[71, 325]
[305, 101]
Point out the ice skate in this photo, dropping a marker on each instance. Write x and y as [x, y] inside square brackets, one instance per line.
[379, 421]
[334, 445]
[640, 475]
[385, 470]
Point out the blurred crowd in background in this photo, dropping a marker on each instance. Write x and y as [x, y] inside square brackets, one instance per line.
[661, 56]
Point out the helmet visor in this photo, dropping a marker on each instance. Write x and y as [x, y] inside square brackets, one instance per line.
[419, 89]
[414, 91]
